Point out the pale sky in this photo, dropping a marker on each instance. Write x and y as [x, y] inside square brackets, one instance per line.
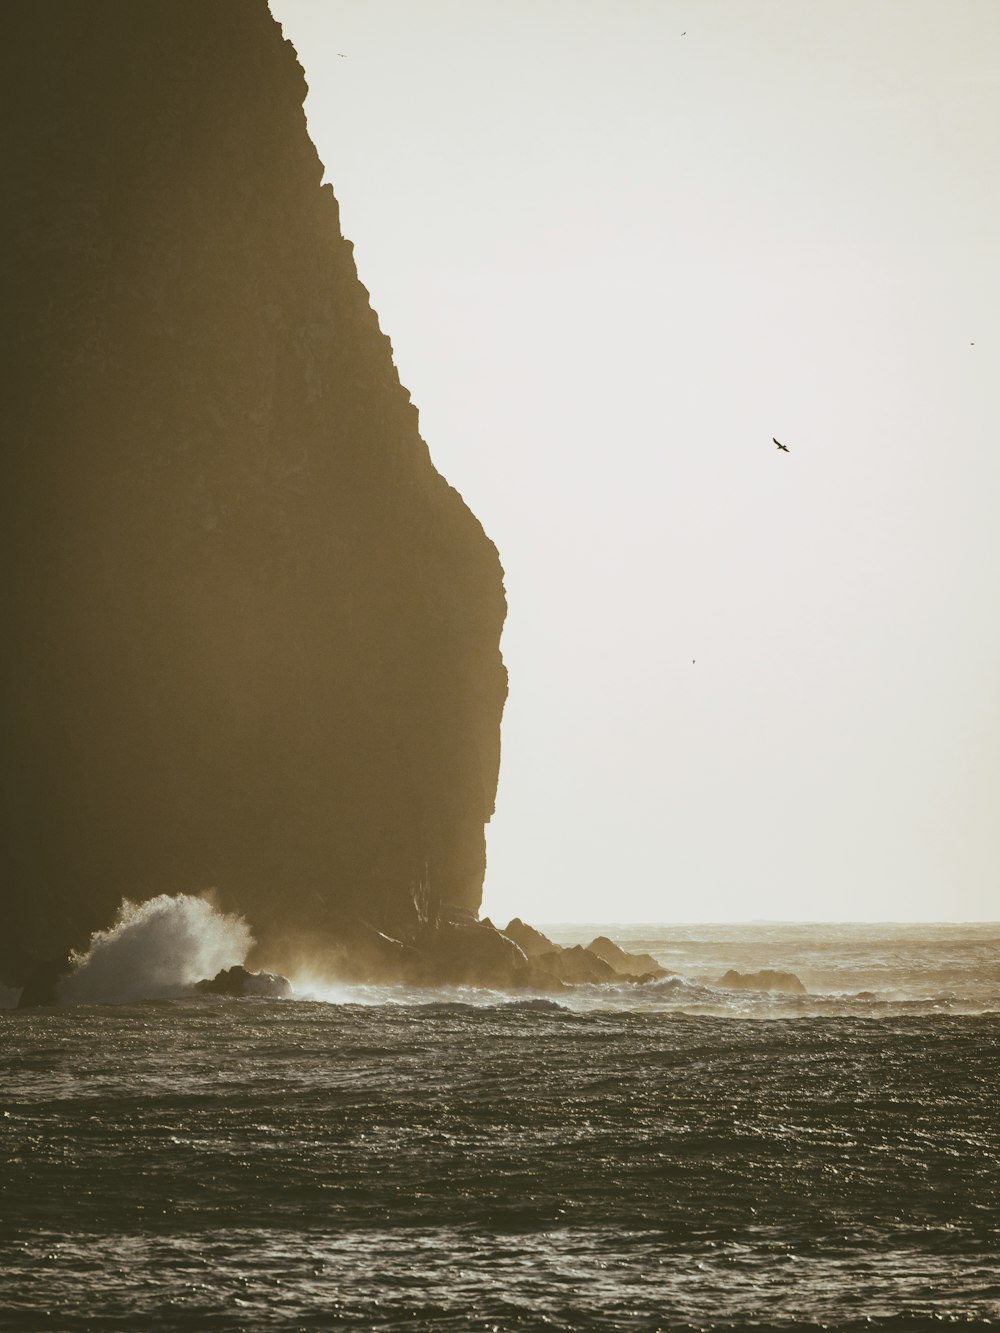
[618, 245]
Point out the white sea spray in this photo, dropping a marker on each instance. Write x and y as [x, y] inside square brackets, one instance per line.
[156, 950]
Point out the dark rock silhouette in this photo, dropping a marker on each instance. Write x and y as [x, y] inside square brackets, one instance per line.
[532, 941]
[465, 951]
[239, 983]
[251, 635]
[576, 966]
[351, 949]
[766, 979]
[630, 964]
[42, 983]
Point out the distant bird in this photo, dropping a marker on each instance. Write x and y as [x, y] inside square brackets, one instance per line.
[342, 54]
[781, 446]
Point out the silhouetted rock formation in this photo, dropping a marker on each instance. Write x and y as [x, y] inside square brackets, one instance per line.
[461, 949]
[250, 634]
[238, 983]
[576, 966]
[532, 941]
[630, 964]
[767, 979]
[580, 965]
[352, 950]
[465, 951]
[42, 984]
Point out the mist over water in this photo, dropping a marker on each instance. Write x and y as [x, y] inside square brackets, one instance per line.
[156, 950]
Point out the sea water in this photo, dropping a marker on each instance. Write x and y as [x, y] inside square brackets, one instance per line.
[665, 1156]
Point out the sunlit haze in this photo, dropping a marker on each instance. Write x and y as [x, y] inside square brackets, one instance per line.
[618, 248]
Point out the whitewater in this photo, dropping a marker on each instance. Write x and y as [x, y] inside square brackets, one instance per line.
[673, 1155]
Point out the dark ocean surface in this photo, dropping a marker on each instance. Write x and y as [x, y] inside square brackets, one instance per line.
[662, 1157]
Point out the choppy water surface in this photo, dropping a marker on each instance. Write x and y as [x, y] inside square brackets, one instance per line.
[441, 1164]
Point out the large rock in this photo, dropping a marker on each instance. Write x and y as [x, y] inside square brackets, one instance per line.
[766, 979]
[352, 949]
[576, 966]
[532, 941]
[464, 951]
[250, 633]
[238, 983]
[629, 964]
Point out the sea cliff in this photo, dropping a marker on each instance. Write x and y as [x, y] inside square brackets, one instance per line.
[251, 634]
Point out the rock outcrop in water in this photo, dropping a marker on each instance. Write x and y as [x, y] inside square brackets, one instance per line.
[238, 983]
[629, 963]
[767, 979]
[531, 941]
[250, 634]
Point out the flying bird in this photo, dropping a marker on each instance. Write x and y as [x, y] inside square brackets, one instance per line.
[781, 446]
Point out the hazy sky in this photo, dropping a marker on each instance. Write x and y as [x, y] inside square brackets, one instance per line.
[618, 245]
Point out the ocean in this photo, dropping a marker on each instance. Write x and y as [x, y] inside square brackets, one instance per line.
[665, 1156]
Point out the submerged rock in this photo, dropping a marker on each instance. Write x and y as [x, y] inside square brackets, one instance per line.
[630, 964]
[766, 979]
[238, 982]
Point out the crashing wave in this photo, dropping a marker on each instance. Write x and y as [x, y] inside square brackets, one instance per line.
[156, 950]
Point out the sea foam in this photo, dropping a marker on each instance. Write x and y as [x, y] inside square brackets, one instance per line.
[156, 950]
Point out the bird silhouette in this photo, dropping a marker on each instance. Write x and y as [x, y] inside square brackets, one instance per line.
[783, 447]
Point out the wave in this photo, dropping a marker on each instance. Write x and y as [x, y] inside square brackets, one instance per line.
[538, 1005]
[681, 996]
[156, 950]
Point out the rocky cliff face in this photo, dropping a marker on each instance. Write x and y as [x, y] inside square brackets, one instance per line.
[250, 634]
